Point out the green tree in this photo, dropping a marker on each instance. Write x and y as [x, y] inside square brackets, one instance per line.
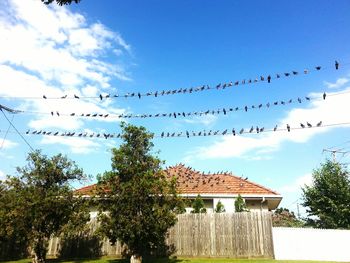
[327, 200]
[240, 205]
[198, 205]
[282, 217]
[220, 208]
[140, 199]
[43, 203]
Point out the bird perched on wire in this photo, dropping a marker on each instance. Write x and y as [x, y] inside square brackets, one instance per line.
[233, 132]
[63, 97]
[302, 125]
[275, 129]
[268, 78]
[318, 67]
[241, 131]
[308, 124]
[324, 95]
[101, 97]
[319, 124]
[44, 97]
[288, 128]
[251, 129]
[76, 96]
[336, 64]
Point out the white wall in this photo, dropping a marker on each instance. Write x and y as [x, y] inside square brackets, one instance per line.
[311, 244]
[229, 203]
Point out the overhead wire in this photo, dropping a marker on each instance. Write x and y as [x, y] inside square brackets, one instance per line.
[220, 86]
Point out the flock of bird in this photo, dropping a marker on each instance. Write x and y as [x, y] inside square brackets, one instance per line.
[187, 134]
[192, 179]
[139, 95]
[224, 111]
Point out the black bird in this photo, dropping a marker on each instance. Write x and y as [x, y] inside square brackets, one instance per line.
[156, 94]
[63, 97]
[72, 114]
[236, 83]
[268, 104]
[44, 97]
[251, 129]
[245, 108]
[162, 135]
[101, 97]
[107, 96]
[290, 101]
[299, 100]
[306, 71]
[275, 129]
[324, 95]
[302, 125]
[233, 132]
[287, 74]
[268, 78]
[139, 95]
[257, 129]
[52, 113]
[55, 134]
[224, 110]
[260, 105]
[295, 72]
[77, 97]
[309, 125]
[336, 64]
[278, 76]
[58, 114]
[307, 98]
[27, 131]
[224, 132]
[218, 86]
[319, 124]
[241, 131]
[288, 128]
[318, 68]
[187, 134]
[262, 129]
[275, 103]
[236, 109]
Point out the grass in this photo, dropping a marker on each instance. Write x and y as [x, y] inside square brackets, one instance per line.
[172, 260]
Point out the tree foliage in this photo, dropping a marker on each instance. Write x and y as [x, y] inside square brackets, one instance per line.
[220, 208]
[240, 205]
[198, 205]
[140, 199]
[282, 217]
[39, 202]
[328, 198]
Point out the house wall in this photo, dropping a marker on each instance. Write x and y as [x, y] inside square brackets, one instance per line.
[229, 204]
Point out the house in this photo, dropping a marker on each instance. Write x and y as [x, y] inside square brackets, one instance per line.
[215, 187]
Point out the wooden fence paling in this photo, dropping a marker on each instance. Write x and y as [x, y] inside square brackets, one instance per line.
[234, 235]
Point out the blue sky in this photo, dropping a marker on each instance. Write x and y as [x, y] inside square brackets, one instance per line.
[138, 46]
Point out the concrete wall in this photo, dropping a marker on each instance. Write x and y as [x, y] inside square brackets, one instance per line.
[311, 244]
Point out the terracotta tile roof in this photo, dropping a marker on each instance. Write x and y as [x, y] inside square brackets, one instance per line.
[190, 181]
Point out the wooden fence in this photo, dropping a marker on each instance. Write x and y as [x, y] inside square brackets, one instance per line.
[234, 235]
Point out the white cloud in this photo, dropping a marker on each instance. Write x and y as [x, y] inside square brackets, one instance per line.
[2, 175]
[7, 144]
[206, 120]
[52, 51]
[295, 186]
[77, 145]
[333, 110]
[338, 84]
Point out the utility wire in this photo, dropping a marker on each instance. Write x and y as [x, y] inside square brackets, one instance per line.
[13, 126]
[7, 131]
[222, 85]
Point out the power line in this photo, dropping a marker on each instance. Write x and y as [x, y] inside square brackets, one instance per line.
[189, 134]
[13, 126]
[177, 114]
[7, 131]
[219, 86]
